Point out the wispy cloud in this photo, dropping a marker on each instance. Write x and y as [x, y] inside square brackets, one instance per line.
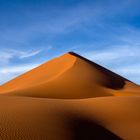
[29, 54]
[113, 53]
[8, 73]
[7, 55]
[132, 72]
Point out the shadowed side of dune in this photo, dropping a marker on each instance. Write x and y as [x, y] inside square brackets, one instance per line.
[115, 81]
[85, 129]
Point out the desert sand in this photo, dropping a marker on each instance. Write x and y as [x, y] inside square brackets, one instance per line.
[70, 98]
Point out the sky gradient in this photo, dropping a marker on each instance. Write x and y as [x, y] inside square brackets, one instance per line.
[34, 31]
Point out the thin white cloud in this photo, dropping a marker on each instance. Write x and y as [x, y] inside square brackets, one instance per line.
[129, 70]
[114, 53]
[17, 69]
[29, 54]
[8, 73]
[7, 55]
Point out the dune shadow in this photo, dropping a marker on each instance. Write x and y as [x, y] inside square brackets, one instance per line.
[85, 129]
[115, 81]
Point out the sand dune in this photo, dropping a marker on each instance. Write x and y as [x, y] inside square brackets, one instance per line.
[66, 75]
[70, 98]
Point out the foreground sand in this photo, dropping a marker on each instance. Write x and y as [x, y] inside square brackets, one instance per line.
[70, 98]
[111, 118]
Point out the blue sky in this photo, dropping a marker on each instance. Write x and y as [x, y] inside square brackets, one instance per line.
[34, 31]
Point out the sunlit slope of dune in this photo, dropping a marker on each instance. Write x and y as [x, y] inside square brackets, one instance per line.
[106, 118]
[69, 76]
[43, 73]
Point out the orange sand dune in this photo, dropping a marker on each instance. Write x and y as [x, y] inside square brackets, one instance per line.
[105, 118]
[66, 75]
[70, 98]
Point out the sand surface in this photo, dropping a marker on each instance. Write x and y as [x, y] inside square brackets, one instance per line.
[70, 98]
